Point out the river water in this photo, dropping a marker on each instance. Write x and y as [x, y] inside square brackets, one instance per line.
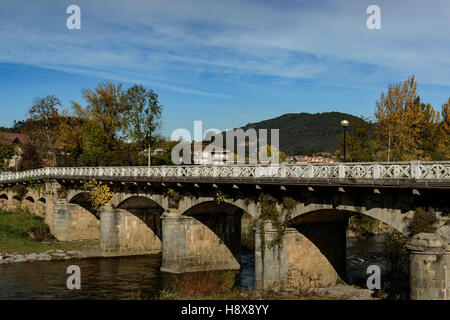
[138, 277]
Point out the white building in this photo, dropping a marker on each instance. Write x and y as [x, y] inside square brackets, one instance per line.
[210, 155]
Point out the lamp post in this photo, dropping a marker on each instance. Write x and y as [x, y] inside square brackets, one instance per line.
[344, 124]
[129, 151]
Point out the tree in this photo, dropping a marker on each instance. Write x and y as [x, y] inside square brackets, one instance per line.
[359, 146]
[7, 151]
[443, 148]
[143, 117]
[95, 149]
[403, 124]
[106, 107]
[266, 151]
[44, 113]
[29, 158]
[69, 140]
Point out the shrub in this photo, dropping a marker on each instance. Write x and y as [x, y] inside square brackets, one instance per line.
[20, 191]
[423, 221]
[301, 282]
[395, 251]
[201, 284]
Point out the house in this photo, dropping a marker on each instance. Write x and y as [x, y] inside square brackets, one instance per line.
[19, 140]
[301, 159]
[206, 154]
[158, 151]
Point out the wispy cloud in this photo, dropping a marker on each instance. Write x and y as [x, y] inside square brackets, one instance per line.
[179, 42]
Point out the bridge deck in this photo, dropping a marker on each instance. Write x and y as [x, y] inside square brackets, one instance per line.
[413, 174]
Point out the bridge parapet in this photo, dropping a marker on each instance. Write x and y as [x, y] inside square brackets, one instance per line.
[382, 171]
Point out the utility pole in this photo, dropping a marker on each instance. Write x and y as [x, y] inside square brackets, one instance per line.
[389, 145]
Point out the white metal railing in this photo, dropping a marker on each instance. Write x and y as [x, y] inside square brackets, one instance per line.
[388, 170]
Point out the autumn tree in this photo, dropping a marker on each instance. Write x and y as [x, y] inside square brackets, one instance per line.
[7, 151]
[143, 115]
[443, 148]
[106, 106]
[44, 116]
[267, 153]
[29, 158]
[404, 124]
[96, 134]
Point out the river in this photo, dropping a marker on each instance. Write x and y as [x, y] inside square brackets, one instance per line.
[138, 277]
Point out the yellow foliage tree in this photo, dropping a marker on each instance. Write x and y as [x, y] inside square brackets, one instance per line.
[99, 194]
[266, 151]
[403, 124]
[444, 130]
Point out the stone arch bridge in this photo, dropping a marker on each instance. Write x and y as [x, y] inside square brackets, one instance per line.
[193, 213]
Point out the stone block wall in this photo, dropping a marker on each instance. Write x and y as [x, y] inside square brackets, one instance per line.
[4, 205]
[72, 222]
[316, 256]
[206, 242]
[8, 201]
[37, 207]
[136, 235]
[122, 231]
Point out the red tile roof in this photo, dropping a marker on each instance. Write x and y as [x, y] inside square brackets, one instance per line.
[7, 137]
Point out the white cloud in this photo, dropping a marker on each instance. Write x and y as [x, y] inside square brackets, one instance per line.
[174, 42]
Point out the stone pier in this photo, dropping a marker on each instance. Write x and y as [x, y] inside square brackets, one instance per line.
[200, 243]
[429, 257]
[315, 253]
[123, 232]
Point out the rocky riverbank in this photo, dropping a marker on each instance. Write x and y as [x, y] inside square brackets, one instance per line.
[44, 256]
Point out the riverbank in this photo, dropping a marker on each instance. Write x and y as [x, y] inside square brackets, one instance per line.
[337, 292]
[26, 237]
[222, 285]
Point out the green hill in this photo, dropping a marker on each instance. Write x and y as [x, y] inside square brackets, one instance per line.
[306, 133]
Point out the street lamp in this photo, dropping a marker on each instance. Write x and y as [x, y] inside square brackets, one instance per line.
[129, 142]
[344, 124]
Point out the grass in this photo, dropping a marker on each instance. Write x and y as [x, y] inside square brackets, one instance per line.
[22, 232]
[220, 285]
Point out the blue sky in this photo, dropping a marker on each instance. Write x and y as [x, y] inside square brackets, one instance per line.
[224, 62]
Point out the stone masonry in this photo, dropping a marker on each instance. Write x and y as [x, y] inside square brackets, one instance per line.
[429, 257]
[317, 254]
[192, 245]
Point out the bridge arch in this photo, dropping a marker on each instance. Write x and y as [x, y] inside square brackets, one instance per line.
[139, 224]
[4, 201]
[83, 200]
[119, 199]
[248, 206]
[315, 241]
[322, 212]
[215, 233]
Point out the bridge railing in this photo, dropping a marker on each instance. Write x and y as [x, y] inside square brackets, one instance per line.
[382, 170]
